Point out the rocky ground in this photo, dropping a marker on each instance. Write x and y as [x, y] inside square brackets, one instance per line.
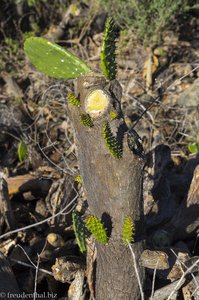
[36, 188]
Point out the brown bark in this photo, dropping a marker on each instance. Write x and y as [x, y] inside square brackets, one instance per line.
[114, 190]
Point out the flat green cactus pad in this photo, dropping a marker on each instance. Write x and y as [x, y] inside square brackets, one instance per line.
[53, 60]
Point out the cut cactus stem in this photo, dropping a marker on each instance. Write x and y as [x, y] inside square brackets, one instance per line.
[97, 103]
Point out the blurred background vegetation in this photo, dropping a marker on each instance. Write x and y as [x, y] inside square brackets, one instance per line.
[148, 18]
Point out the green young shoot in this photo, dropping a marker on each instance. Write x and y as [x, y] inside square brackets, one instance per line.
[97, 229]
[108, 56]
[193, 148]
[111, 141]
[22, 151]
[128, 230]
[72, 99]
[86, 120]
[80, 230]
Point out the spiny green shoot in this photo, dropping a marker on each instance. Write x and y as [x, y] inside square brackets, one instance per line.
[113, 115]
[108, 56]
[80, 230]
[78, 179]
[111, 141]
[86, 120]
[72, 99]
[97, 229]
[128, 230]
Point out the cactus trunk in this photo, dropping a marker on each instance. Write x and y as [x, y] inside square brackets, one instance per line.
[114, 191]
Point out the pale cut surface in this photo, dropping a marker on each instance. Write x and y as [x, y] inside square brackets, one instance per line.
[97, 103]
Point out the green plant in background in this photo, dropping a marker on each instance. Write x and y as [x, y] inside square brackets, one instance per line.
[80, 230]
[128, 231]
[97, 229]
[22, 151]
[193, 148]
[146, 18]
[9, 53]
[28, 34]
[11, 45]
[30, 3]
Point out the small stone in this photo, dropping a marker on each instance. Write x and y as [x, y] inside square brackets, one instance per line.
[183, 70]
[190, 97]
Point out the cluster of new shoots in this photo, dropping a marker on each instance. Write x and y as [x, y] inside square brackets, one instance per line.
[97, 229]
[57, 62]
